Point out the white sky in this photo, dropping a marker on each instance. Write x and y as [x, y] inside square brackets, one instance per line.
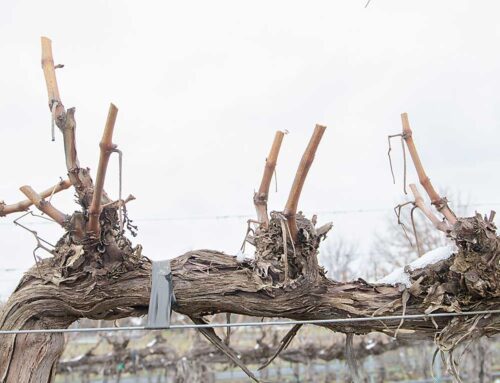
[202, 86]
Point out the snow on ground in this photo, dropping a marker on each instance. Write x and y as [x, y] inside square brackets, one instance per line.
[400, 275]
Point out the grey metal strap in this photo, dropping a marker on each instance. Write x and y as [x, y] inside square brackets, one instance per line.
[162, 295]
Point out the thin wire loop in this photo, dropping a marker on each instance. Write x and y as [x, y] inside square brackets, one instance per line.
[397, 211]
[402, 135]
[38, 239]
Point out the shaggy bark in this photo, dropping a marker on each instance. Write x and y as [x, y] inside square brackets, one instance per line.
[95, 273]
[80, 282]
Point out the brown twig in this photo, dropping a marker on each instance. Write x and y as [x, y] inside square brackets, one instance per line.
[55, 105]
[414, 227]
[24, 205]
[50, 77]
[260, 198]
[106, 147]
[44, 206]
[300, 177]
[436, 200]
[65, 121]
[419, 202]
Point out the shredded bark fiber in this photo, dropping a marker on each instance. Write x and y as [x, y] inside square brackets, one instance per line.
[96, 273]
[109, 279]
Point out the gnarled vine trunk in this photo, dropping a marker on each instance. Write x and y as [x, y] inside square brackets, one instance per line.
[74, 284]
[96, 273]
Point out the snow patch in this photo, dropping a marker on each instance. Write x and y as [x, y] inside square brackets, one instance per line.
[401, 276]
[242, 257]
[398, 276]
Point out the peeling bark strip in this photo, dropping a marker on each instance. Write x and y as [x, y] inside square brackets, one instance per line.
[76, 283]
[104, 277]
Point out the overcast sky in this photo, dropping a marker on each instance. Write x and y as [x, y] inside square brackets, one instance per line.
[202, 86]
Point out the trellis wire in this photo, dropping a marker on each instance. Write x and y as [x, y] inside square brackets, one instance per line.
[249, 324]
[251, 215]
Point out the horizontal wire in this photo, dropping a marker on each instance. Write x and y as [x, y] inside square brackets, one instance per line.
[246, 324]
[249, 215]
